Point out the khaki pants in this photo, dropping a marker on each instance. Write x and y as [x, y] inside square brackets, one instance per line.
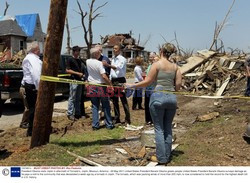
[25, 118]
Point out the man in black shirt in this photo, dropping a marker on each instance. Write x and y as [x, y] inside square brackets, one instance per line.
[74, 66]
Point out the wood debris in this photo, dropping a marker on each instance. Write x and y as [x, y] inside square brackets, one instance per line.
[85, 160]
[211, 73]
[208, 117]
[142, 152]
[16, 59]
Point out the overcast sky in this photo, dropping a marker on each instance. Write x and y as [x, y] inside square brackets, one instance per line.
[192, 20]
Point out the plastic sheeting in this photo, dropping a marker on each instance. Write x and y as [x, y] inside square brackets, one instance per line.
[27, 23]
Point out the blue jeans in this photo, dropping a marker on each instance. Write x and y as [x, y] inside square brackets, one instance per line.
[97, 96]
[162, 109]
[74, 102]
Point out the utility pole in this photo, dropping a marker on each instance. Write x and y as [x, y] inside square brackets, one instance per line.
[46, 91]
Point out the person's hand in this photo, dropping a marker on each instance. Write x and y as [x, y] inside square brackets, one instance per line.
[80, 74]
[128, 85]
[105, 64]
[86, 83]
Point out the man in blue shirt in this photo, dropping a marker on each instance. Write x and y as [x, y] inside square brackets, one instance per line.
[105, 61]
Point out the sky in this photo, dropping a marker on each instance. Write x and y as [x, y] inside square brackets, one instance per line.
[154, 20]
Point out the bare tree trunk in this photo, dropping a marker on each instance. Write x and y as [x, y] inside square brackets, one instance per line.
[6, 8]
[68, 35]
[88, 31]
[46, 91]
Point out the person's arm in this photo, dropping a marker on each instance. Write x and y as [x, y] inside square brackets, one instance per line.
[106, 79]
[108, 65]
[36, 74]
[120, 66]
[178, 79]
[103, 74]
[139, 72]
[70, 71]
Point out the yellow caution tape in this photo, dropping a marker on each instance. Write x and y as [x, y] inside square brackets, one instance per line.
[63, 75]
[64, 80]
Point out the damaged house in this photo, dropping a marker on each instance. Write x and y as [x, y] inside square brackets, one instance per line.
[12, 37]
[17, 33]
[130, 49]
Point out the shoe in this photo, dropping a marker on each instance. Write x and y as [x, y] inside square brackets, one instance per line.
[154, 158]
[117, 121]
[127, 122]
[162, 164]
[85, 115]
[77, 116]
[29, 133]
[71, 117]
[149, 123]
[24, 126]
[95, 128]
[111, 128]
[141, 108]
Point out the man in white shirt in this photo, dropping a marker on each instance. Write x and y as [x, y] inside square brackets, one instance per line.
[32, 67]
[117, 76]
[97, 94]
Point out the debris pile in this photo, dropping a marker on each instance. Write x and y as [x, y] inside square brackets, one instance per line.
[211, 73]
[16, 60]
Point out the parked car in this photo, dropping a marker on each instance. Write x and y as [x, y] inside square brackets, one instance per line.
[11, 77]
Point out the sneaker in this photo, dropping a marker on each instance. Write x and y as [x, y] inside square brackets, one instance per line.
[117, 121]
[95, 128]
[162, 164]
[111, 128]
[154, 158]
[87, 116]
[71, 117]
[149, 123]
[24, 126]
[127, 122]
[29, 133]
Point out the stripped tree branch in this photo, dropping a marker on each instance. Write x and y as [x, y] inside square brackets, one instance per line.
[68, 34]
[177, 44]
[88, 31]
[218, 28]
[6, 8]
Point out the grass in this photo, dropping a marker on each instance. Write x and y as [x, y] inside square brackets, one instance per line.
[88, 142]
[55, 153]
[195, 146]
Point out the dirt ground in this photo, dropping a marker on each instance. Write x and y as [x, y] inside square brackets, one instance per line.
[217, 142]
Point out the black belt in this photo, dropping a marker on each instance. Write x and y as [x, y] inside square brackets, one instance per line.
[118, 80]
[30, 86]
